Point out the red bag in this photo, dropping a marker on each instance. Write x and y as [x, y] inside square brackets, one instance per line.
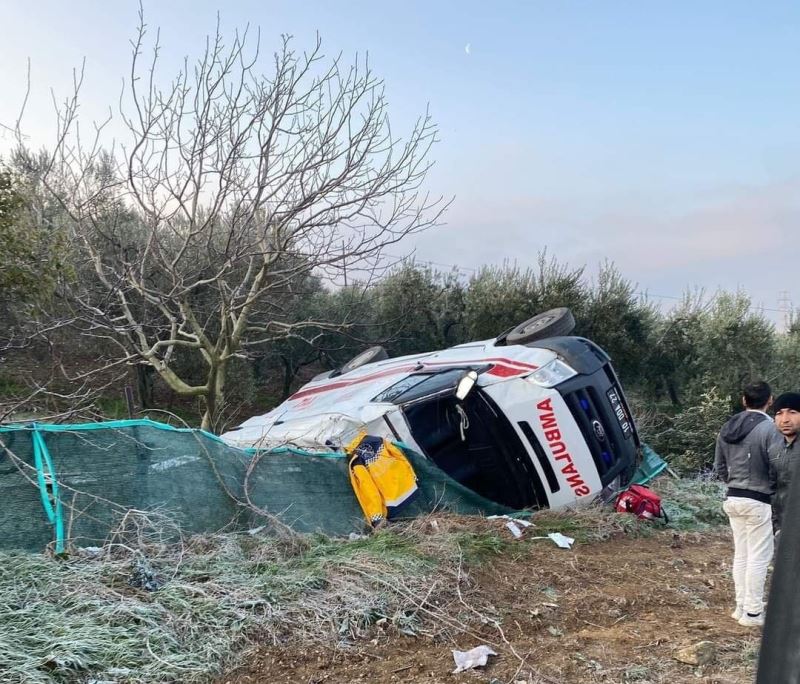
[643, 502]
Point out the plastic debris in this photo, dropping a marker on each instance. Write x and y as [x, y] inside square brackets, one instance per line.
[524, 523]
[561, 540]
[514, 525]
[511, 525]
[475, 657]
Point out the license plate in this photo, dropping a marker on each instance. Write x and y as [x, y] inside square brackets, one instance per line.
[619, 412]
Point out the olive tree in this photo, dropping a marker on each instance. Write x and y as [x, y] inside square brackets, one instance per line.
[498, 298]
[417, 309]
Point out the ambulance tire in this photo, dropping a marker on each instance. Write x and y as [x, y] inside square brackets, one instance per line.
[552, 323]
[376, 353]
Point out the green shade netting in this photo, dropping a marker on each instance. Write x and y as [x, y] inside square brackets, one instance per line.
[64, 484]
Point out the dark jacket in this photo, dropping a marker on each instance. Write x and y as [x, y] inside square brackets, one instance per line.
[741, 460]
[783, 457]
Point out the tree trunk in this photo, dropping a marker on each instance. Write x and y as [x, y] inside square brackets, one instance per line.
[673, 392]
[144, 385]
[208, 416]
[215, 399]
[288, 377]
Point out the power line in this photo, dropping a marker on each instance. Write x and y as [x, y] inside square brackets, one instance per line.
[432, 263]
[759, 307]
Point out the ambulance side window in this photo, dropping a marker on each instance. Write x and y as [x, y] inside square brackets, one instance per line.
[417, 386]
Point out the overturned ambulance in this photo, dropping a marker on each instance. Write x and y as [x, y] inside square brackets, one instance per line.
[531, 419]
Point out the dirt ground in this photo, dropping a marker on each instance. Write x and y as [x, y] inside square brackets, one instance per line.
[614, 611]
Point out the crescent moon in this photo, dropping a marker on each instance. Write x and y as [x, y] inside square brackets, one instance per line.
[466, 48]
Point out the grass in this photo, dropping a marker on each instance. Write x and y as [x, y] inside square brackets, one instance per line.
[116, 408]
[112, 408]
[78, 618]
[692, 504]
[636, 673]
[478, 547]
[749, 653]
[10, 388]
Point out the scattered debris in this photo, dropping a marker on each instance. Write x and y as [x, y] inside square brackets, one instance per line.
[475, 657]
[562, 541]
[513, 524]
[519, 521]
[229, 589]
[701, 653]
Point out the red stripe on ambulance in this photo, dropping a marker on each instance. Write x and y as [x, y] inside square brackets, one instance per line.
[504, 368]
[552, 434]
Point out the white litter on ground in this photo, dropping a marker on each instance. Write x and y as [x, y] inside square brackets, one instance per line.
[511, 525]
[514, 525]
[475, 657]
[562, 541]
[524, 523]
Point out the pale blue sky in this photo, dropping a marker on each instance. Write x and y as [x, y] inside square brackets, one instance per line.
[662, 135]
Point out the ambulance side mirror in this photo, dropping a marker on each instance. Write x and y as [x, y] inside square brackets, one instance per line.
[466, 384]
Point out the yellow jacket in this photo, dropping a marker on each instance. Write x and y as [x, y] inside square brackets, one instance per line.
[381, 476]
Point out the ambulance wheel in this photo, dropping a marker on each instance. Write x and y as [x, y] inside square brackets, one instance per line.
[552, 323]
[376, 353]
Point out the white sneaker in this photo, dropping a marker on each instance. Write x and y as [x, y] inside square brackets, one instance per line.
[737, 614]
[748, 620]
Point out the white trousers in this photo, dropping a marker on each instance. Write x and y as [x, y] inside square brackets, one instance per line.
[751, 522]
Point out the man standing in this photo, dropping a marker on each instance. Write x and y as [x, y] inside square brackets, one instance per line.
[783, 452]
[742, 462]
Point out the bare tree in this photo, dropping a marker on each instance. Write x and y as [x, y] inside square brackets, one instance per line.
[232, 185]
